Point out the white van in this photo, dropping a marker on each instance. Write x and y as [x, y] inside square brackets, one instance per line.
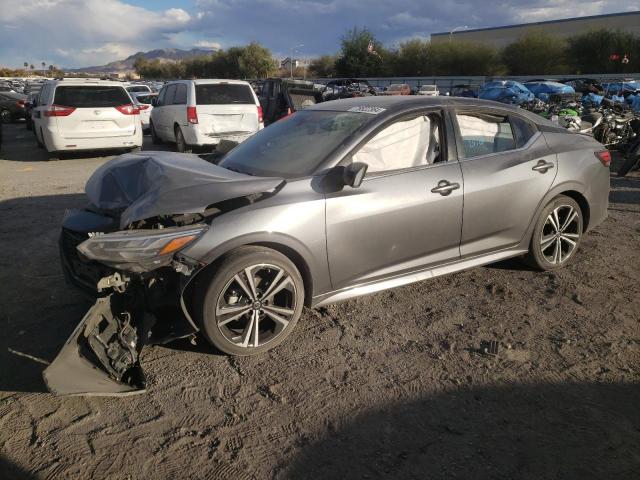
[204, 112]
[85, 114]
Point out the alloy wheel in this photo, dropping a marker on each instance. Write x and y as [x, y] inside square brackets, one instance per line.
[256, 305]
[560, 234]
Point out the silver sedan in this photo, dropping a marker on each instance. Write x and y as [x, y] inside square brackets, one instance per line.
[339, 200]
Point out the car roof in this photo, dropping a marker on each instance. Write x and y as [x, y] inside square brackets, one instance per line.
[82, 81]
[396, 104]
[205, 81]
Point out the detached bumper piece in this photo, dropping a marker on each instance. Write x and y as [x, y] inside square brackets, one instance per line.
[101, 356]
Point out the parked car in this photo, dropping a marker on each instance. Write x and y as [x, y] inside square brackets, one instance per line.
[144, 102]
[138, 88]
[196, 113]
[79, 114]
[281, 97]
[465, 91]
[397, 89]
[11, 106]
[506, 91]
[428, 90]
[31, 100]
[342, 88]
[339, 200]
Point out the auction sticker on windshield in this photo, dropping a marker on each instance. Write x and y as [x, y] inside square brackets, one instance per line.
[367, 109]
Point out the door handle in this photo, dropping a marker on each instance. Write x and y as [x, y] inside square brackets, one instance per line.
[445, 187]
[542, 166]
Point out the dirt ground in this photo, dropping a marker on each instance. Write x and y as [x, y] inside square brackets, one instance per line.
[388, 386]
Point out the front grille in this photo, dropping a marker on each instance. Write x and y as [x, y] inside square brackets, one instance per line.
[82, 272]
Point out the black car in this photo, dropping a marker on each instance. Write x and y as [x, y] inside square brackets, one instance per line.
[11, 106]
[280, 97]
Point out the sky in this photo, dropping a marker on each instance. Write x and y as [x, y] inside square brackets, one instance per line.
[80, 33]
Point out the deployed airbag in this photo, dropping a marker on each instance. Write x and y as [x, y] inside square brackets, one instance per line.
[147, 184]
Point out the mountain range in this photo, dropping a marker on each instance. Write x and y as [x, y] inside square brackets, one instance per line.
[162, 54]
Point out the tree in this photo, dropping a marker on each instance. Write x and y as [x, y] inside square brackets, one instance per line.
[462, 58]
[536, 54]
[323, 66]
[412, 58]
[256, 61]
[595, 52]
[357, 61]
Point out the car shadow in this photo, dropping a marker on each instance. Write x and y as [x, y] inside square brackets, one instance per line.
[560, 430]
[11, 471]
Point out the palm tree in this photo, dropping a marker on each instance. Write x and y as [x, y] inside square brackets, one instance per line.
[43, 65]
[25, 67]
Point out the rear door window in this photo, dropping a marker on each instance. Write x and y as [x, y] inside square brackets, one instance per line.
[85, 96]
[169, 95]
[180, 97]
[224, 94]
[484, 134]
[523, 130]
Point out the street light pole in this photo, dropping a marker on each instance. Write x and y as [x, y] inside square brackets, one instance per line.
[452, 31]
[291, 50]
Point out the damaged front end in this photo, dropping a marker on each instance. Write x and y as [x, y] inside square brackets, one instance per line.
[126, 249]
[138, 303]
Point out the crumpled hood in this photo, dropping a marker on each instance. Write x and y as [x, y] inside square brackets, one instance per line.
[148, 184]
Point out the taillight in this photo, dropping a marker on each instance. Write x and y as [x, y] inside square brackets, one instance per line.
[143, 107]
[58, 111]
[260, 117]
[192, 115]
[605, 157]
[128, 109]
[20, 104]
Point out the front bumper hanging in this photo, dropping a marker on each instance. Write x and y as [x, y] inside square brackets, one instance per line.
[101, 356]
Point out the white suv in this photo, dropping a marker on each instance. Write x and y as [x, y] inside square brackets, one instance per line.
[83, 114]
[204, 112]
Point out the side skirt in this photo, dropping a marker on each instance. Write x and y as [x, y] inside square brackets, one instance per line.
[418, 276]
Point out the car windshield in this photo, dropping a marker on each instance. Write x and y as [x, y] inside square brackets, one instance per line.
[395, 87]
[138, 88]
[295, 146]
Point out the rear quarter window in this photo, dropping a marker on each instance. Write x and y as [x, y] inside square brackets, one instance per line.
[90, 96]
[224, 94]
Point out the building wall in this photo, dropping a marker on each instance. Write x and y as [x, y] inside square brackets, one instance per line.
[502, 36]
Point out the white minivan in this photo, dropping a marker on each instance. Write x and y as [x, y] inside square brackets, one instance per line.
[85, 114]
[204, 112]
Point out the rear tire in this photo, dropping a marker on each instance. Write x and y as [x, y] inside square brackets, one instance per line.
[181, 144]
[276, 305]
[556, 235]
[135, 150]
[155, 139]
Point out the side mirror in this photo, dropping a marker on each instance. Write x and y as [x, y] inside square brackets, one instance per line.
[154, 101]
[353, 174]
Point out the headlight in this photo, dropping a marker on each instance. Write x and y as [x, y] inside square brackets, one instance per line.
[139, 250]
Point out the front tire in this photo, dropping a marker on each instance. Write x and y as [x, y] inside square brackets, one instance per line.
[252, 302]
[557, 234]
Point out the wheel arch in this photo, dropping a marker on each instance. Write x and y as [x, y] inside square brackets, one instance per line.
[583, 203]
[196, 285]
